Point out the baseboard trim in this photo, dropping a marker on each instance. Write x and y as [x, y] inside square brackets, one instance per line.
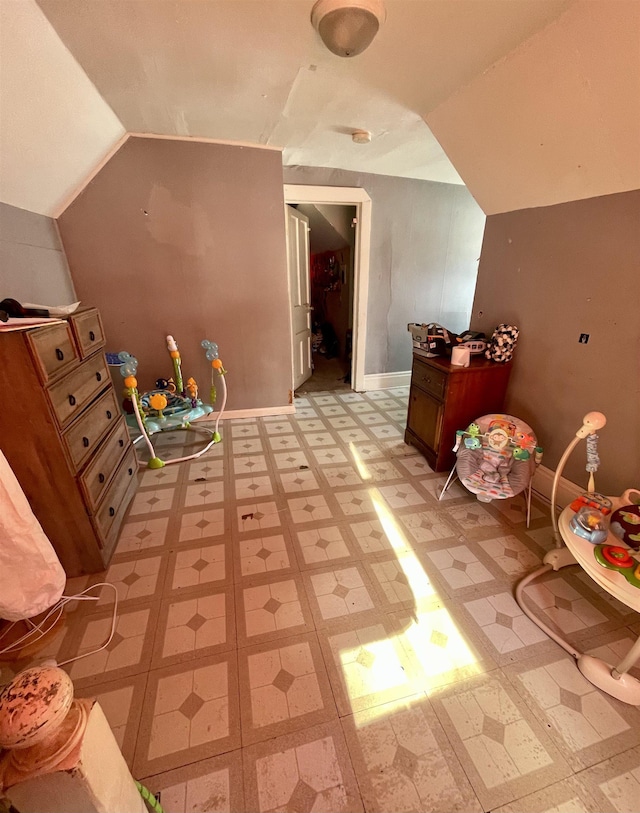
[543, 484]
[258, 412]
[384, 381]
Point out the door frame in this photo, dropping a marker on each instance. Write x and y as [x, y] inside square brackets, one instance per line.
[348, 196]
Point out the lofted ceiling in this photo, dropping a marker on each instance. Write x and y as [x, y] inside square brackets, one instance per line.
[527, 102]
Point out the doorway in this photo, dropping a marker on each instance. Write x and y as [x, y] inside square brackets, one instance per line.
[331, 254]
[328, 237]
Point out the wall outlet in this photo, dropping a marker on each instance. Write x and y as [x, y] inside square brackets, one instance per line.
[584, 338]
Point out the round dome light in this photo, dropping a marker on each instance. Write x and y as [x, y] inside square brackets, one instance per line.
[347, 27]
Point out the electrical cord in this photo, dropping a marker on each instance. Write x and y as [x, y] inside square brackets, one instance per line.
[37, 631]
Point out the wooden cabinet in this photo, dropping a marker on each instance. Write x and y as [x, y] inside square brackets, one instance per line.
[65, 438]
[444, 398]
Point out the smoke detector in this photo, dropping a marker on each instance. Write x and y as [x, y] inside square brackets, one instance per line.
[361, 137]
[347, 27]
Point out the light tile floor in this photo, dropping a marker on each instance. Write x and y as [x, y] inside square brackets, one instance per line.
[303, 626]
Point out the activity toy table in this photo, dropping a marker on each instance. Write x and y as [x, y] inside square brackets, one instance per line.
[572, 549]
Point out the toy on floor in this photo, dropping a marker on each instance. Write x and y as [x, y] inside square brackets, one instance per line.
[496, 457]
[601, 562]
[172, 406]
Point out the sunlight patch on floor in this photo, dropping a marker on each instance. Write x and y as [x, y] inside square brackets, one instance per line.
[430, 651]
[363, 471]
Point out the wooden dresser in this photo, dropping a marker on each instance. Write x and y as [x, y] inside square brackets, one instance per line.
[444, 398]
[64, 436]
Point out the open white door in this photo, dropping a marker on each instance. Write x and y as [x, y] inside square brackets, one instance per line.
[299, 288]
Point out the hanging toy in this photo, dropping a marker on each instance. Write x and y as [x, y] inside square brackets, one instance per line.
[592, 499]
[192, 391]
[211, 352]
[128, 369]
[593, 460]
[172, 347]
[526, 441]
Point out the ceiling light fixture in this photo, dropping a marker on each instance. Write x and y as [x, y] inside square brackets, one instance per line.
[347, 27]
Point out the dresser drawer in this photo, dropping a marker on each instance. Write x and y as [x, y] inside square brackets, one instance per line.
[75, 391]
[88, 331]
[85, 434]
[97, 475]
[115, 503]
[428, 378]
[108, 542]
[53, 350]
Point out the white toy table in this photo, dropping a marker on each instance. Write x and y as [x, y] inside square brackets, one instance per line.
[614, 680]
[612, 581]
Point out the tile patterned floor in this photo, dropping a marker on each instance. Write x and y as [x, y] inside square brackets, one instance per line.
[303, 626]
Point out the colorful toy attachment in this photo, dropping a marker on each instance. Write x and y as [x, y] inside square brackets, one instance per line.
[625, 524]
[211, 352]
[595, 500]
[615, 558]
[128, 370]
[501, 436]
[589, 524]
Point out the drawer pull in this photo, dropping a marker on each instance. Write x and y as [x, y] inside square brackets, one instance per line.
[101, 478]
[112, 511]
[109, 413]
[85, 442]
[59, 354]
[98, 377]
[130, 472]
[72, 400]
[92, 335]
[121, 442]
[428, 380]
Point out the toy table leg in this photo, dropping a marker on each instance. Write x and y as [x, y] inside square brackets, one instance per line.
[559, 558]
[614, 681]
[628, 661]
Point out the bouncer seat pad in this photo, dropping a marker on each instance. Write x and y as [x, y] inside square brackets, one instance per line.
[490, 470]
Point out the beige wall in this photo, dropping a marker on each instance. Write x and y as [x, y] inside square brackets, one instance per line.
[557, 272]
[188, 238]
[33, 267]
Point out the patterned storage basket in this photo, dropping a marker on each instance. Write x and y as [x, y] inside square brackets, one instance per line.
[502, 343]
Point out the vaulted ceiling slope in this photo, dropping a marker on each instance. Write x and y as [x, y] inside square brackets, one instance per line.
[558, 119]
[528, 102]
[54, 125]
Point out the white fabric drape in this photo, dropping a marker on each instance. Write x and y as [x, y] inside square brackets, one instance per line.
[31, 576]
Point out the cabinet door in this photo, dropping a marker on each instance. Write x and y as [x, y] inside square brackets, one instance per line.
[425, 417]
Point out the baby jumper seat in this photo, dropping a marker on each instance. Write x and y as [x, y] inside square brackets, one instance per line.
[496, 458]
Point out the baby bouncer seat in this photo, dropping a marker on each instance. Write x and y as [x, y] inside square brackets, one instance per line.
[496, 458]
